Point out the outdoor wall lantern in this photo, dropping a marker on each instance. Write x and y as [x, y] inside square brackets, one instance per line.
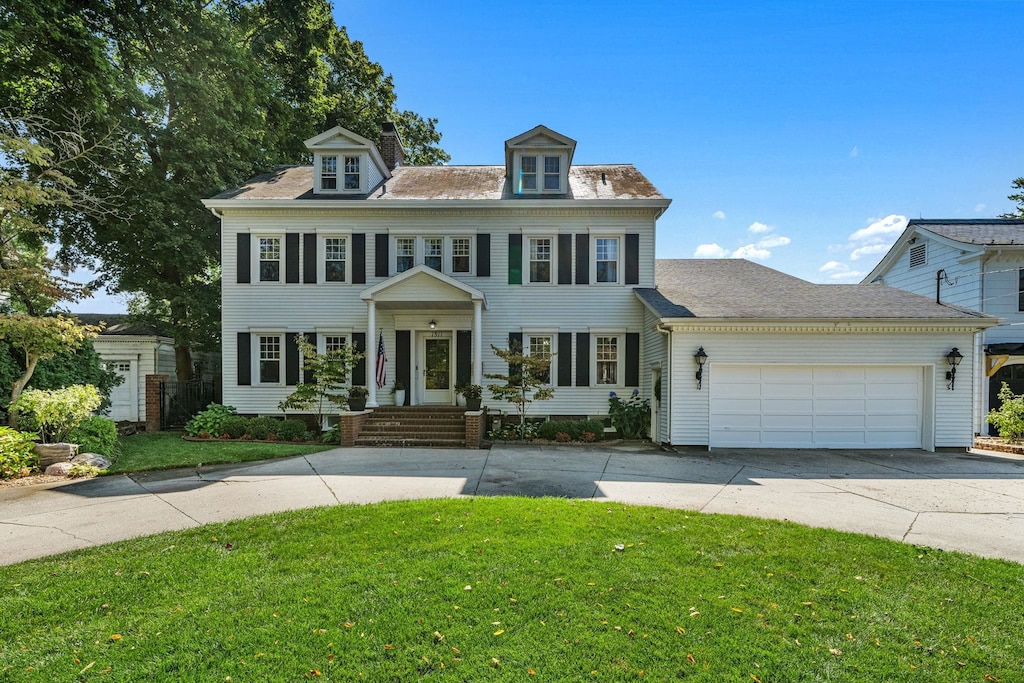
[953, 358]
[701, 358]
[433, 324]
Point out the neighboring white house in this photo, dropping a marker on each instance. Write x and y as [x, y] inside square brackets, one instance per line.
[977, 264]
[442, 262]
[132, 351]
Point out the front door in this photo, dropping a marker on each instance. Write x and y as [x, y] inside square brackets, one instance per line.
[436, 368]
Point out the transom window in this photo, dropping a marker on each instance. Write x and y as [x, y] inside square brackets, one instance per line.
[461, 254]
[433, 252]
[607, 360]
[552, 173]
[119, 367]
[335, 251]
[540, 259]
[270, 259]
[606, 250]
[270, 359]
[352, 177]
[540, 346]
[405, 253]
[329, 173]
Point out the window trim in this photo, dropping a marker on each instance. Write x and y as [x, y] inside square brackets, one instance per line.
[321, 257]
[255, 259]
[553, 261]
[540, 154]
[619, 240]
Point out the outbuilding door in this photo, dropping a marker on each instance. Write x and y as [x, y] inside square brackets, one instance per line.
[124, 398]
[806, 406]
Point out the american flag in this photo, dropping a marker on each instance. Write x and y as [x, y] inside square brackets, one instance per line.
[382, 359]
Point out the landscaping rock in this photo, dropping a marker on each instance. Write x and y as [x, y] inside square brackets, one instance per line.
[50, 453]
[59, 469]
[94, 459]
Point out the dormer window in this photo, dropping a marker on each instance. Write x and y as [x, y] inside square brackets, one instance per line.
[527, 174]
[347, 163]
[329, 173]
[552, 174]
[540, 173]
[352, 176]
[538, 162]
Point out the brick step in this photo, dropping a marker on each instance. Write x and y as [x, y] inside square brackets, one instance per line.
[459, 431]
[419, 412]
[410, 442]
[417, 419]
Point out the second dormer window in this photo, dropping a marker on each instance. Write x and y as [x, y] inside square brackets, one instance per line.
[352, 177]
[552, 173]
[528, 174]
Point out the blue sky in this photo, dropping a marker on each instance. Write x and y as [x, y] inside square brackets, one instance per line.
[799, 134]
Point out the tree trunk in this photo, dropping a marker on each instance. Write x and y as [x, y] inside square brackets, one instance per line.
[183, 362]
[18, 386]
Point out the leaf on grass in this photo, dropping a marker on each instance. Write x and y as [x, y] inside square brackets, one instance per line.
[499, 631]
[531, 672]
[438, 637]
[736, 609]
[690, 658]
[680, 630]
[313, 673]
[116, 636]
[388, 646]
[87, 667]
[990, 677]
[494, 662]
[756, 679]
[835, 650]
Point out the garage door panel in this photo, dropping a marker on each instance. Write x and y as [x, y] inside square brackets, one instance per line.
[816, 406]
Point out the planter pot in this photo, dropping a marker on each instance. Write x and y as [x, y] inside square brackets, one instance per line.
[52, 453]
[399, 397]
[460, 400]
[473, 403]
[356, 404]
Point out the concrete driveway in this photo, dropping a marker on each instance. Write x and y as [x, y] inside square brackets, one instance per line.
[972, 502]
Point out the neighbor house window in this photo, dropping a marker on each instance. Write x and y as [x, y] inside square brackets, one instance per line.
[334, 259]
[552, 173]
[540, 346]
[461, 247]
[606, 252]
[540, 259]
[352, 177]
[329, 173]
[270, 359]
[527, 174]
[270, 259]
[607, 348]
[433, 252]
[405, 254]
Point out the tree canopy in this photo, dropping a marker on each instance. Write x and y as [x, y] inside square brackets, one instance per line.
[1018, 197]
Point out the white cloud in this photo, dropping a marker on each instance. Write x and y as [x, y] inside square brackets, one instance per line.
[710, 251]
[758, 227]
[832, 266]
[840, 271]
[979, 208]
[869, 250]
[854, 153]
[773, 241]
[752, 251]
[886, 229]
[720, 215]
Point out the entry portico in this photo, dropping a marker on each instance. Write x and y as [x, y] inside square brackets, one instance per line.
[433, 307]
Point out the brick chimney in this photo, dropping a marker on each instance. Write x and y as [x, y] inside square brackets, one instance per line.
[391, 145]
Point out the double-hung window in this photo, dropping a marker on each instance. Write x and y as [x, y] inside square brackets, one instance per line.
[329, 172]
[606, 255]
[552, 173]
[540, 347]
[541, 173]
[352, 174]
[461, 254]
[528, 174]
[405, 254]
[335, 257]
[270, 259]
[270, 359]
[607, 354]
[433, 252]
[540, 259]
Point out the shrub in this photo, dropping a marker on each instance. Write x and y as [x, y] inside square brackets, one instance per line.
[210, 420]
[1009, 417]
[332, 435]
[16, 456]
[260, 427]
[630, 417]
[95, 435]
[54, 413]
[234, 426]
[80, 470]
[287, 430]
[573, 428]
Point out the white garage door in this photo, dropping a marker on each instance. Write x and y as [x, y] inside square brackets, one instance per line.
[124, 402]
[780, 406]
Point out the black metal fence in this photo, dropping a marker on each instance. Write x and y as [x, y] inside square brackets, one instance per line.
[181, 401]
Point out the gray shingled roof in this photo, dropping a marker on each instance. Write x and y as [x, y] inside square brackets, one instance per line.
[610, 181]
[118, 324]
[740, 289]
[994, 231]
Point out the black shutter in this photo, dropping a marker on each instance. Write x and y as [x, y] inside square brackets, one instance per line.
[515, 259]
[359, 371]
[565, 259]
[381, 261]
[291, 359]
[244, 359]
[632, 259]
[583, 259]
[515, 339]
[243, 263]
[483, 255]
[358, 258]
[309, 258]
[583, 359]
[291, 257]
[307, 375]
[565, 359]
[463, 357]
[403, 360]
[632, 359]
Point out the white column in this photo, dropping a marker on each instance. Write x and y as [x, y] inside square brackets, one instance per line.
[478, 375]
[371, 353]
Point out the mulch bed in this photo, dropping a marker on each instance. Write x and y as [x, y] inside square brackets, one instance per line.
[31, 480]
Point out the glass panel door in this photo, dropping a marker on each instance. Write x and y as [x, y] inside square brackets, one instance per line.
[437, 369]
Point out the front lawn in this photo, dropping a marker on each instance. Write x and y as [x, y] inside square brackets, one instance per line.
[163, 450]
[502, 588]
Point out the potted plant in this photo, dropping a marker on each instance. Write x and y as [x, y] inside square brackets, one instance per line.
[474, 394]
[357, 398]
[460, 398]
[399, 393]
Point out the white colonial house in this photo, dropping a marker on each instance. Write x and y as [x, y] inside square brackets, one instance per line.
[442, 262]
[977, 264]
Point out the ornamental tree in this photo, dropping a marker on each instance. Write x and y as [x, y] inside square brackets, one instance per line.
[329, 373]
[525, 382]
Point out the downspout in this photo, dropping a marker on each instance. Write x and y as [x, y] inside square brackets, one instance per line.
[667, 395]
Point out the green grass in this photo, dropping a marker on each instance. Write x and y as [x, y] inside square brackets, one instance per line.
[162, 450]
[494, 588]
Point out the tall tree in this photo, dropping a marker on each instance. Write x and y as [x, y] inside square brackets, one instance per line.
[1018, 197]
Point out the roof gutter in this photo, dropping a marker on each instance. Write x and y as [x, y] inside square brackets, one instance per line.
[215, 205]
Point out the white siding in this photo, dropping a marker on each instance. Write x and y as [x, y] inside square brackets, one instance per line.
[654, 352]
[148, 356]
[921, 279]
[952, 419]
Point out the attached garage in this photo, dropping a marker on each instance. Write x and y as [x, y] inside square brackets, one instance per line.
[827, 406]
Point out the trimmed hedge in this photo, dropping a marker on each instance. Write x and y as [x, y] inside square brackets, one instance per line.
[574, 428]
[95, 435]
